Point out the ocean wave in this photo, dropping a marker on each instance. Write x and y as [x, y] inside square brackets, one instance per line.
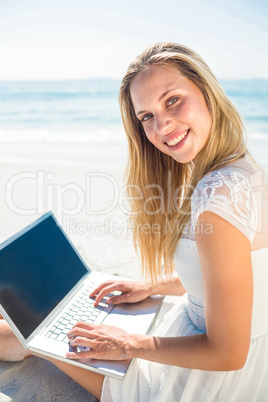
[114, 135]
[49, 96]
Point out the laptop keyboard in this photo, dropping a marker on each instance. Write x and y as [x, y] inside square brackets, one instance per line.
[82, 309]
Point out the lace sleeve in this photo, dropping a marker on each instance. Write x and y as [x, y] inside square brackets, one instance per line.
[229, 195]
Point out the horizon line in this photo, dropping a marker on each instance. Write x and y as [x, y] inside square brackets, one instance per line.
[2, 80]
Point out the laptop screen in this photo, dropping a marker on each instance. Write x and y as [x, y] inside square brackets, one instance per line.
[38, 267]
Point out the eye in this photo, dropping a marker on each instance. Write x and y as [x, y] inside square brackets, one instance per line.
[146, 117]
[173, 100]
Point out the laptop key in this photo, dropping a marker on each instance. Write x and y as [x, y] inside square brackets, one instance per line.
[81, 310]
[101, 304]
[53, 336]
[65, 322]
[61, 337]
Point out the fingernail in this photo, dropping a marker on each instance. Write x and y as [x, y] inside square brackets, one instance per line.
[71, 339]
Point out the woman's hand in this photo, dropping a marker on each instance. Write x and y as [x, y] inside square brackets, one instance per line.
[131, 292]
[104, 342]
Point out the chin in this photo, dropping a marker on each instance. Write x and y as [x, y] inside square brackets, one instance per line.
[183, 159]
[178, 157]
[184, 156]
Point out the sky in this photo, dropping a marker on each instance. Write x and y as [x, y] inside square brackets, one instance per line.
[77, 39]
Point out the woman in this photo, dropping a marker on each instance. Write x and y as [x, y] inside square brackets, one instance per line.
[206, 209]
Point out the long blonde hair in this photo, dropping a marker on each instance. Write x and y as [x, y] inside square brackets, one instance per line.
[155, 180]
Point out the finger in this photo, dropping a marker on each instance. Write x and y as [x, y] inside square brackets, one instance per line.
[109, 289]
[99, 288]
[74, 332]
[86, 325]
[82, 341]
[123, 298]
[80, 355]
[80, 331]
[103, 292]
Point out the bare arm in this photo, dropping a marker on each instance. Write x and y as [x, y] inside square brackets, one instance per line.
[171, 287]
[225, 258]
[134, 291]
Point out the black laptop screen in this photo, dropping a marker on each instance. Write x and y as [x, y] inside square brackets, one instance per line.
[37, 269]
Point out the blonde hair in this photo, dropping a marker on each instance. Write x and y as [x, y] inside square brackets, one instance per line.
[155, 177]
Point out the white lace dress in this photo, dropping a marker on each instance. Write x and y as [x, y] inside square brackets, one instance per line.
[235, 193]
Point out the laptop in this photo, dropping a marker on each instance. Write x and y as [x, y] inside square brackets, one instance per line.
[44, 290]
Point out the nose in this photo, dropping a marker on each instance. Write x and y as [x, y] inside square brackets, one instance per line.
[163, 123]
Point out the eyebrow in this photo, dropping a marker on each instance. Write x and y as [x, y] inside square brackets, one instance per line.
[160, 98]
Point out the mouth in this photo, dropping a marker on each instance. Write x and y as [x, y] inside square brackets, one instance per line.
[177, 140]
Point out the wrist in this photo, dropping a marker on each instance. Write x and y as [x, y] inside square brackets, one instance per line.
[160, 288]
[170, 286]
[137, 345]
[150, 289]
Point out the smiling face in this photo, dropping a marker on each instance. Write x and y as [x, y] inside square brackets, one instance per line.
[172, 110]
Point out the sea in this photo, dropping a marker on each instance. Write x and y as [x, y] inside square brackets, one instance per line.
[52, 119]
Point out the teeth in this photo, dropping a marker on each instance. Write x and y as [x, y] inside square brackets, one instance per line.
[175, 141]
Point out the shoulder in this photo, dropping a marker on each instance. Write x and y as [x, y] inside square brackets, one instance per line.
[227, 192]
[223, 182]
